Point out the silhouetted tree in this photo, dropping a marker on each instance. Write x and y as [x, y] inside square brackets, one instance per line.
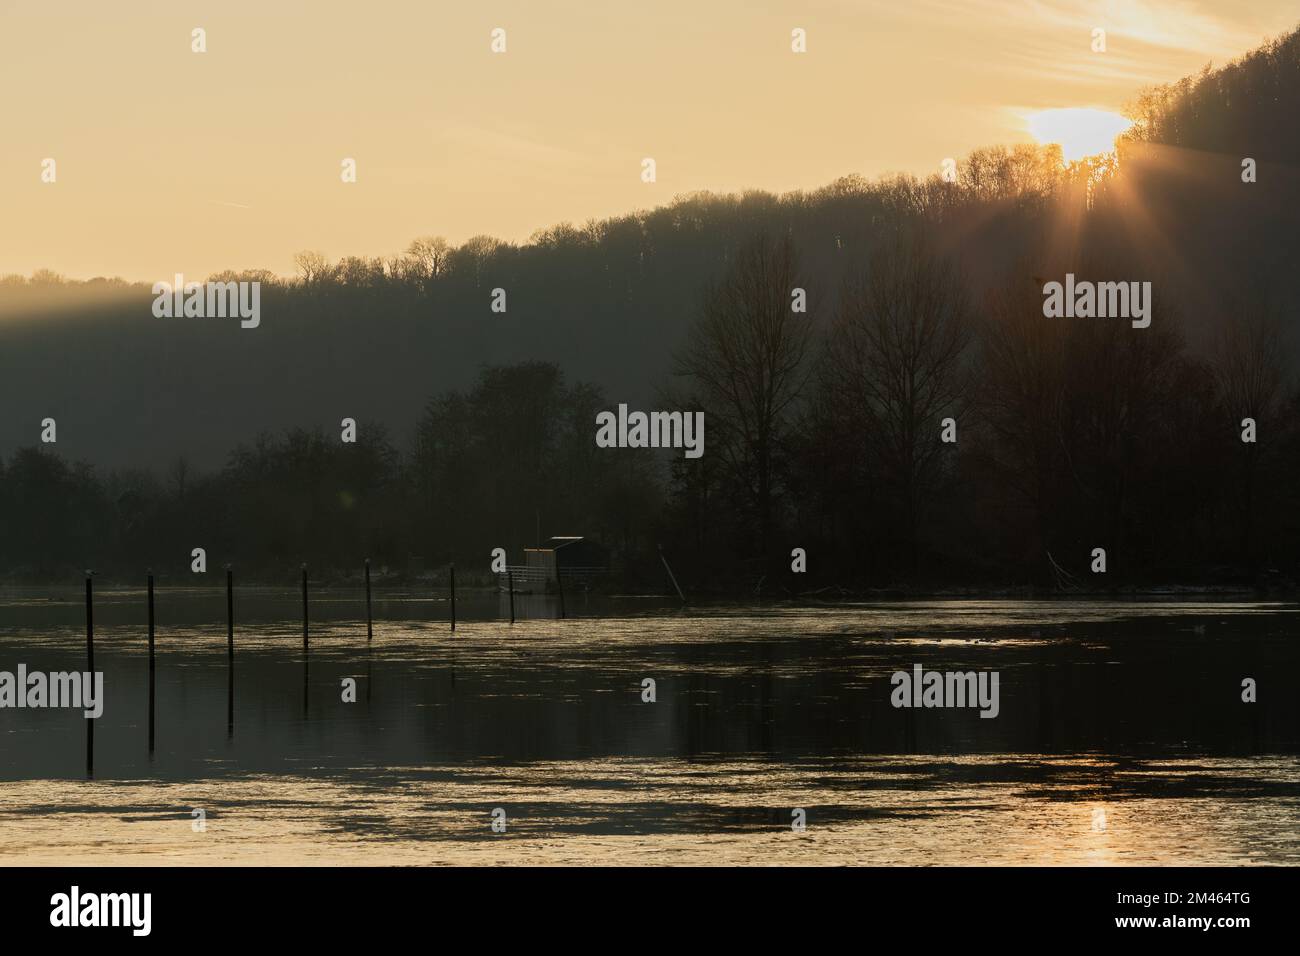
[893, 367]
[745, 361]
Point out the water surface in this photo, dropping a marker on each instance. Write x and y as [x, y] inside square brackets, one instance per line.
[1121, 738]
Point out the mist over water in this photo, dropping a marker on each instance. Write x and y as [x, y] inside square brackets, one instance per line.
[1123, 708]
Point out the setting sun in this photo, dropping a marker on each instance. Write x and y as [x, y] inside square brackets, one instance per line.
[1080, 132]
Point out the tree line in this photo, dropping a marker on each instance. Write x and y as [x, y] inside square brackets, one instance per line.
[825, 425]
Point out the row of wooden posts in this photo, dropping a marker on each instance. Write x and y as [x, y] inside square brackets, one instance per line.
[230, 640]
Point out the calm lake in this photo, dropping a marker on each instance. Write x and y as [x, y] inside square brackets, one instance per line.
[1121, 735]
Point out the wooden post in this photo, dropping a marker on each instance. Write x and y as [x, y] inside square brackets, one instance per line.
[230, 614]
[230, 653]
[230, 700]
[559, 582]
[453, 597]
[370, 633]
[672, 577]
[510, 583]
[90, 667]
[304, 641]
[151, 669]
[304, 607]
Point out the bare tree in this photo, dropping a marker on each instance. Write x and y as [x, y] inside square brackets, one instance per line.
[1249, 363]
[473, 254]
[894, 361]
[429, 255]
[312, 267]
[178, 476]
[1019, 395]
[745, 358]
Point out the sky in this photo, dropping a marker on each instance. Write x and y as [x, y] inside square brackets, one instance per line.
[173, 161]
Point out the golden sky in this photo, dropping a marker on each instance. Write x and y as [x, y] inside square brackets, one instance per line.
[171, 161]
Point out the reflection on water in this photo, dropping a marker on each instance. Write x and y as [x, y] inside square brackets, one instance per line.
[1122, 737]
[882, 811]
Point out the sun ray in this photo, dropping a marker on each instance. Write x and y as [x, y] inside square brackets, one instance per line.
[1079, 131]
